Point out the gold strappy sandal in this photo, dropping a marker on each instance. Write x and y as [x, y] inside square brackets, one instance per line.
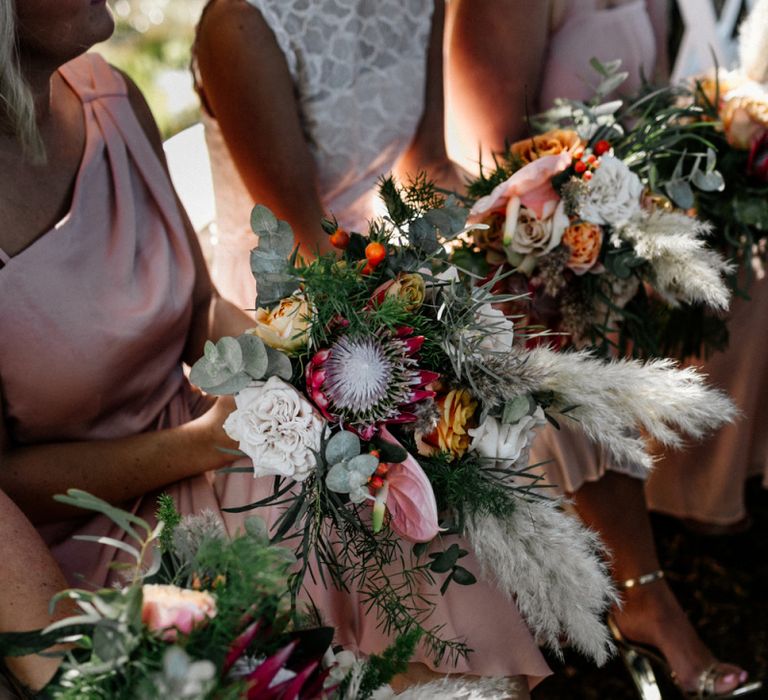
[639, 659]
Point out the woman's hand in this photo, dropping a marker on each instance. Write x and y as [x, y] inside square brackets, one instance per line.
[211, 425]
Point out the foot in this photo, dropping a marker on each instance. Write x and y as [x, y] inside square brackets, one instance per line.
[651, 615]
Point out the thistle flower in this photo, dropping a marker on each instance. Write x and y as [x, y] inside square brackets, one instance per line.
[367, 381]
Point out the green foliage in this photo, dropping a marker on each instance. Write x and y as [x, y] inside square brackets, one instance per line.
[170, 517]
[394, 660]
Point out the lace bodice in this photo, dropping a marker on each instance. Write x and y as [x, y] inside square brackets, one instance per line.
[359, 67]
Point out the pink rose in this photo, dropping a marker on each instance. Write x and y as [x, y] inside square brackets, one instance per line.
[170, 609]
[532, 185]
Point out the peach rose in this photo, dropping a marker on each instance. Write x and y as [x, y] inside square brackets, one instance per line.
[457, 409]
[535, 219]
[170, 609]
[551, 143]
[584, 240]
[745, 119]
[287, 327]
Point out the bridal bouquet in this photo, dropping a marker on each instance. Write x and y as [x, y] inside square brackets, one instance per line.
[201, 616]
[592, 226]
[393, 404]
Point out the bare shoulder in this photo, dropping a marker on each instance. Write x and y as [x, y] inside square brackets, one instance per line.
[226, 21]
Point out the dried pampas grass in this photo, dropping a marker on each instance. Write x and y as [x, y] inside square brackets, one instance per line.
[550, 565]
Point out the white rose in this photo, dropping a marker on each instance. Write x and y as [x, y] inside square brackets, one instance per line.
[500, 330]
[277, 428]
[505, 442]
[527, 234]
[614, 194]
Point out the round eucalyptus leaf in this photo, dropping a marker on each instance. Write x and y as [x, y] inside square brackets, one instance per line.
[363, 464]
[337, 478]
[344, 445]
[263, 220]
[463, 577]
[278, 364]
[255, 358]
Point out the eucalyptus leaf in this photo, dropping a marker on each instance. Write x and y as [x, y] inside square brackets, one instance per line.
[423, 235]
[342, 446]
[363, 464]
[516, 409]
[263, 221]
[278, 364]
[680, 193]
[108, 642]
[254, 352]
[711, 181]
[110, 542]
[611, 83]
[228, 387]
[449, 220]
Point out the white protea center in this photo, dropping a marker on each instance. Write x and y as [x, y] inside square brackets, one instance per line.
[358, 374]
[364, 381]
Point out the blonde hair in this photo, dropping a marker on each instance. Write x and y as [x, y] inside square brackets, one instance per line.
[17, 108]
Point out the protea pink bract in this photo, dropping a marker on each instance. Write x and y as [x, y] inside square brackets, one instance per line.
[366, 381]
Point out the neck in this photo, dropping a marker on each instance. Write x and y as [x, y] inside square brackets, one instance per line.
[39, 78]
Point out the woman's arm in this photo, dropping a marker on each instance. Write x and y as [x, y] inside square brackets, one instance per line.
[496, 49]
[427, 152]
[121, 469]
[30, 579]
[116, 470]
[247, 85]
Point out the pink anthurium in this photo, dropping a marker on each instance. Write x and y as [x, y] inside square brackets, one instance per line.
[410, 499]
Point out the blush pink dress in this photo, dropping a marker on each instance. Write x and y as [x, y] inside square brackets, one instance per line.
[706, 480]
[90, 349]
[625, 32]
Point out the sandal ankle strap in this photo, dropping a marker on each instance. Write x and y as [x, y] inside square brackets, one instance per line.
[643, 580]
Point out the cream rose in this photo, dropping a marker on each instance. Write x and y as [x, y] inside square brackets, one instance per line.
[170, 609]
[506, 442]
[287, 327]
[533, 235]
[614, 194]
[745, 119]
[277, 428]
[500, 331]
[409, 287]
[551, 143]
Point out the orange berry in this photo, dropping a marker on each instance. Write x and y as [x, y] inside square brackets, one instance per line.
[578, 154]
[591, 158]
[374, 253]
[601, 147]
[340, 239]
[375, 453]
[376, 482]
[382, 469]
[580, 166]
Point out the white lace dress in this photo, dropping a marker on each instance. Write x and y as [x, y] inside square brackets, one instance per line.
[359, 67]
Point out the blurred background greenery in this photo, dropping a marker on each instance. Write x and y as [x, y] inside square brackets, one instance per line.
[152, 44]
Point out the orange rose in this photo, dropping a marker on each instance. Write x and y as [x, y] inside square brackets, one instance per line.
[548, 144]
[584, 240]
[490, 240]
[457, 409]
[745, 119]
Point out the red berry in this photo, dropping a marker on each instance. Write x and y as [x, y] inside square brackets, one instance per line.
[578, 154]
[340, 239]
[587, 176]
[376, 482]
[374, 253]
[601, 147]
[580, 166]
[591, 158]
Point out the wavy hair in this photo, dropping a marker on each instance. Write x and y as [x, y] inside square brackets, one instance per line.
[17, 109]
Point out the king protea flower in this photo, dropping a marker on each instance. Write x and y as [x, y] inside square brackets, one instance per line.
[367, 381]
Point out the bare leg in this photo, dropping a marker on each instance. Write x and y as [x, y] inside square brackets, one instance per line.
[30, 579]
[615, 507]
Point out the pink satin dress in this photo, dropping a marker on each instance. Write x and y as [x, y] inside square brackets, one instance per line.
[706, 480]
[625, 32]
[90, 349]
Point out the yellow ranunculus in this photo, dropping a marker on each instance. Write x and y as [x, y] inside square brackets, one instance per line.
[548, 144]
[457, 409]
[285, 328]
[409, 288]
